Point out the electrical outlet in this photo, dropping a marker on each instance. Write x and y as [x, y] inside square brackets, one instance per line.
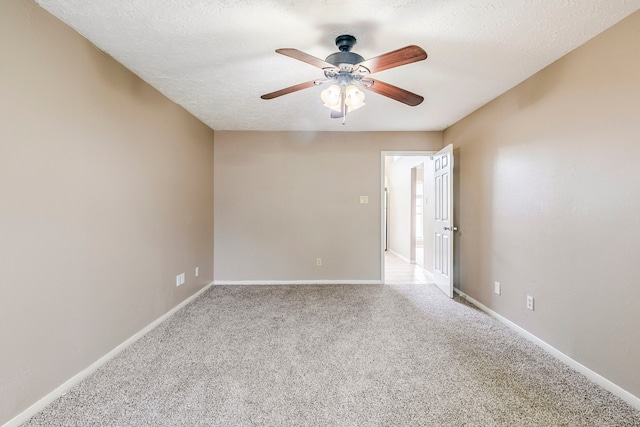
[318, 261]
[197, 271]
[496, 288]
[530, 302]
[364, 199]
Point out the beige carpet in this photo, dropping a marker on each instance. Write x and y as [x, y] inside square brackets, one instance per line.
[394, 355]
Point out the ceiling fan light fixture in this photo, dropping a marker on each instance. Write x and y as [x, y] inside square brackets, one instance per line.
[331, 97]
[334, 96]
[354, 98]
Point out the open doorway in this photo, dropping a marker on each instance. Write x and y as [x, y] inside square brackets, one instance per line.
[407, 213]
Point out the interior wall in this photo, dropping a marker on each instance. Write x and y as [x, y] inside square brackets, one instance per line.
[283, 199]
[106, 194]
[549, 201]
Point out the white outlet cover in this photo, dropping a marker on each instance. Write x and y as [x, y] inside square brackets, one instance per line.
[364, 199]
[530, 302]
[496, 288]
[197, 271]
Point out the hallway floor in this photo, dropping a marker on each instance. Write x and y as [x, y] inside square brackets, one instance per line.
[398, 271]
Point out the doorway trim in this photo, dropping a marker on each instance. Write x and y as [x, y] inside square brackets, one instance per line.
[384, 154]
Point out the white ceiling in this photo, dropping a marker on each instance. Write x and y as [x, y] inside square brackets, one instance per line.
[215, 58]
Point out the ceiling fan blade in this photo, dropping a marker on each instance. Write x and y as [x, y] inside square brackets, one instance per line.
[396, 58]
[305, 57]
[290, 89]
[392, 92]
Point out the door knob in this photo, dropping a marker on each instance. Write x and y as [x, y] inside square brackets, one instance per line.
[452, 228]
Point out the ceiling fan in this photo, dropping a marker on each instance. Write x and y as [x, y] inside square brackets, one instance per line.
[347, 71]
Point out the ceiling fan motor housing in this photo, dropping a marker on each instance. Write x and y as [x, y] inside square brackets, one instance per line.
[345, 56]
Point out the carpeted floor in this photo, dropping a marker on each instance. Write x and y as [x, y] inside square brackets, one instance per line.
[397, 355]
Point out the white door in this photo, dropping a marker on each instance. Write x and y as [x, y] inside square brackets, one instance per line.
[443, 226]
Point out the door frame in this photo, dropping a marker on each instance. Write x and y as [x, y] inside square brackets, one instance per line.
[383, 154]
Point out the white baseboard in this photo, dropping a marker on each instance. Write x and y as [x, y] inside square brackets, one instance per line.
[67, 385]
[405, 259]
[593, 376]
[296, 282]
[425, 271]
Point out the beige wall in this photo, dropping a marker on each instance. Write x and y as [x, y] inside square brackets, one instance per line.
[106, 194]
[549, 202]
[283, 199]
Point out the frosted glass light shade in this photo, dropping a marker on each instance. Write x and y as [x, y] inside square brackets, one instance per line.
[332, 98]
[354, 98]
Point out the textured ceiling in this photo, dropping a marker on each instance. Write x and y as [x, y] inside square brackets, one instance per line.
[215, 58]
